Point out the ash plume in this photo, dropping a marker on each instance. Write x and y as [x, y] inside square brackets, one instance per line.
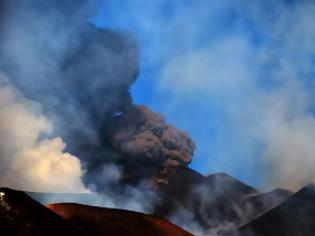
[81, 76]
[142, 133]
[145, 133]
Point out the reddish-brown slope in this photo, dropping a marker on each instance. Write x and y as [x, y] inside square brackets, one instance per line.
[20, 215]
[103, 221]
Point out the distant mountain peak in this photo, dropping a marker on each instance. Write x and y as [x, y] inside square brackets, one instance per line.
[280, 190]
[308, 189]
[294, 216]
[221, 175]
[222, 181]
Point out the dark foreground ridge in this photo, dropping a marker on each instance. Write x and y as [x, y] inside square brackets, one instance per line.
[21, 215]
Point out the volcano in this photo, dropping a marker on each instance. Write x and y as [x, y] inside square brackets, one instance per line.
[220, 203]
[213, 202]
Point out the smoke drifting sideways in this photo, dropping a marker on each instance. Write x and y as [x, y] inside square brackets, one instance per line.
[81, 77]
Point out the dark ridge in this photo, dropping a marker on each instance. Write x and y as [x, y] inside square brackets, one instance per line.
[294, 216]
[229, 182]
[258, 204]
[21, 215]
[212, 201]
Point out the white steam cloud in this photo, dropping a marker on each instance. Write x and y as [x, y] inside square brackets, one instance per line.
[28, 161]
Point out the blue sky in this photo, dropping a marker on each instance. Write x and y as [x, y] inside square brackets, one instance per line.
[236, 75]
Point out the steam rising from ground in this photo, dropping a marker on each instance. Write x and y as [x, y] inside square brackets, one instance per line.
[28, 161]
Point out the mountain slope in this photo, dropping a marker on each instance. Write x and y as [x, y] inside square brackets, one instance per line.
[103, 221]
[20, 215]
[213, 201]
[258, 204]
[293, 217]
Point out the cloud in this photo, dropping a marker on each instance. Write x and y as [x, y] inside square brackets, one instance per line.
[28, 160]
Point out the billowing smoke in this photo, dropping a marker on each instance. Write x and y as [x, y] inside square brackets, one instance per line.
[142, 133]
[81, 76]
[28, 161]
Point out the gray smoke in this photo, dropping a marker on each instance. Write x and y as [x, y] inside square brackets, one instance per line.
[81, 76]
